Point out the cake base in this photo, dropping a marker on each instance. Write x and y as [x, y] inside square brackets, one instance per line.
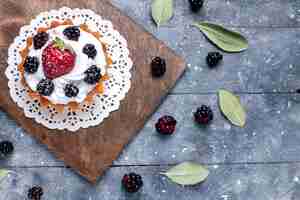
[91, 151]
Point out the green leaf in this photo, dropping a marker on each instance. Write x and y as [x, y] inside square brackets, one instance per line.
[3, 173]
[59, 43]
[227, 40]
[231, 107]
[187, 173]
[162, 11]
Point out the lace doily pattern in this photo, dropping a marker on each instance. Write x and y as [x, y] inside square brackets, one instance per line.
[87, 114]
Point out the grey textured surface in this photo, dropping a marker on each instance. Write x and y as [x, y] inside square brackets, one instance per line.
[270, 135]
[272, 27]
[260, 161]
[232, 182]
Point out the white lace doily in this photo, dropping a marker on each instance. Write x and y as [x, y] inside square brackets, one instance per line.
[115, 88]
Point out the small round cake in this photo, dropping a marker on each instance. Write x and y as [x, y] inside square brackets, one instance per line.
[68, 69]
[65, 63]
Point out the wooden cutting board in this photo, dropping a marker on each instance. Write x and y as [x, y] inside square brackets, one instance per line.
[91, 151]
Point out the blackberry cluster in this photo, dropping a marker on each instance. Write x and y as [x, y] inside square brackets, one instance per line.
[40, 39]
[6, 148]
[71, 90]
[45, 87]
[158, 67]
[203, 115]
[166, 125]
[35, 193]
[213, 58]
[90, 50]
[196, 5]
[132, 182]
[72, 33]
[31, 64]
[92, 75]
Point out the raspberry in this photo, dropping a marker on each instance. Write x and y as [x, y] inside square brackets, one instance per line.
[72, 33]
[92, 75]
[89, 50]
[31, 64]
[213, 58]
[71, 90]
[35, 193]
[196, 5]
[45, 87]
[6, 148]
[166, 125]
[203, 115]
[158, 67]
[57, 60]
[132, 182]
[40, 39]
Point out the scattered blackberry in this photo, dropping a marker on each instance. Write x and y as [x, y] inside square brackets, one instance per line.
[45, 87]
[40, 39]
[71, 90]
[132, 182]
[158, 67]
[6, 148]
[203, 115]
[196, 5]
[166, 125]
[90, 50]
[213, 58]
[92, 75]
[35, 193]
[72, 33]
[31, 64]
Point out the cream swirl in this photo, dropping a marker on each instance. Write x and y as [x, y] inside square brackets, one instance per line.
[77, 75]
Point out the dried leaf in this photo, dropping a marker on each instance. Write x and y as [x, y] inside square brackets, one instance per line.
[187, 173]
[3, 173]
[162, 11]
[227, 40]
[231, 107]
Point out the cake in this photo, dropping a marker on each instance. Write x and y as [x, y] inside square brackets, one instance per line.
[69, 69]
[64, 63]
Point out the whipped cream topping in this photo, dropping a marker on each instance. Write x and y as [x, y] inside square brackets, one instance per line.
[77, 75]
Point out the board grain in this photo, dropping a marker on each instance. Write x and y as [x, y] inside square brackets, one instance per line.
[91, 151]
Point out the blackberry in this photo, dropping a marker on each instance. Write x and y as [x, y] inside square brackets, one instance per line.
[31, 64]
[45, 87]
[90, 50]
[196, 5]
[72, 33]
[132, 182]
[92, 75]
[40, 39]
[213, 58]
[203, 115]
[35, 193]
[166, 125]
[6, 148]
[158, 67]
[71, 90]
